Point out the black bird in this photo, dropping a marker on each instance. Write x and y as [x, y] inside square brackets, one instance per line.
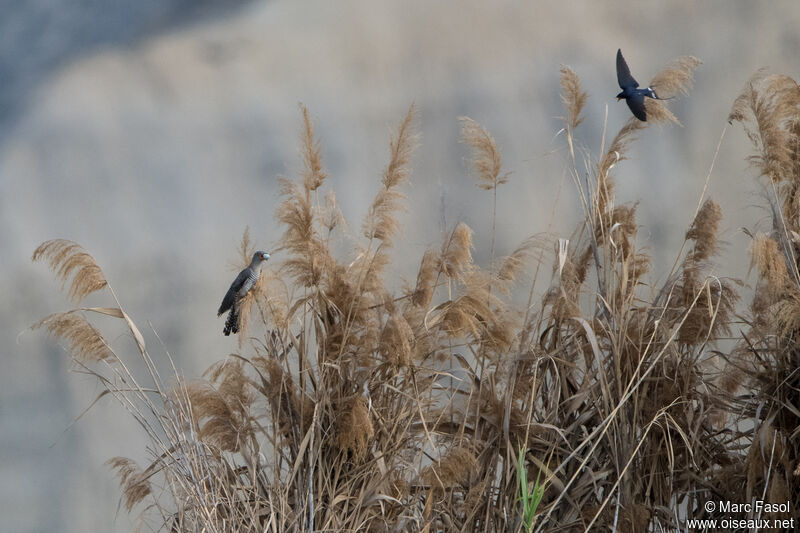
[633, 95]
[245, 281]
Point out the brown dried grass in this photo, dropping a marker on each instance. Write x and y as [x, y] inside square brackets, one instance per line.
[352, 407]
[769, 109]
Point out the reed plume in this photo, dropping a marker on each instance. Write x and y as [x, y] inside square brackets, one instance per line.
[380, 222]
[66, 259]
[572, 96]
[308, 254]
[485, 154]
[86, 343]
[134, 481]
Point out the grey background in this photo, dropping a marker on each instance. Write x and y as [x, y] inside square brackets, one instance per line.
[152, 133]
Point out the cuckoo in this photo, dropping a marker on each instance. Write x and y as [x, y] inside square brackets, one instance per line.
[243, 283]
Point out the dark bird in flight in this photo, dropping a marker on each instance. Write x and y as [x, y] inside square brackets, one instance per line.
[243, 283]
[633, 95]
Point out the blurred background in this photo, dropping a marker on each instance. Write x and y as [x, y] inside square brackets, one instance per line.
[153, 132]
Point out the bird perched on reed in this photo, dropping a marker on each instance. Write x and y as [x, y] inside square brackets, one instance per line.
[243, 283]
[631, 93]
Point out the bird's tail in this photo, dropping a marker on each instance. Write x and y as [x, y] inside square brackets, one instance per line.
[232, 323]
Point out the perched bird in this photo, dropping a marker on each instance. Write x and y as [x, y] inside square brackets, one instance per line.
[243, 283]
[631, 92]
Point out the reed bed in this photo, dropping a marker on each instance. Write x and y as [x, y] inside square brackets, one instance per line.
[607, 403]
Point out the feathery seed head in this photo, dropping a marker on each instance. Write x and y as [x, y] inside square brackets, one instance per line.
[485, 154]
[573, 96]
[67, 258]
[85, 342]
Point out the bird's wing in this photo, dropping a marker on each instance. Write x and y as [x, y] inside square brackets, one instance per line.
[624, 77]
[636, 103]
[230, 296]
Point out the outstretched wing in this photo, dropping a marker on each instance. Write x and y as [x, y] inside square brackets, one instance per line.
[636, 103]
[624, 77]
[230, 296]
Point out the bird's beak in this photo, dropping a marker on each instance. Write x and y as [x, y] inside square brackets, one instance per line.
[619, 98]
[266, 256]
